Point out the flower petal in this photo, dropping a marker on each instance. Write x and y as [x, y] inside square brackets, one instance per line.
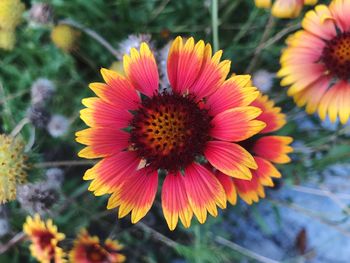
[236, 124]
[136, 195]
[266, 171]
[230, 158]
[184, 63]
[102, 142]
[249, 191]
[271, 115]
[118, 91]
[273, 148]
[175, 202]
[212, 74]
[141, 69]
[233, 93]
[109, 173]
[229, 187]
[320, 22]
[204, 191]
[101, 114]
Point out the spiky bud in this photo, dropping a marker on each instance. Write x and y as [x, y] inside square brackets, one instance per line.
[13, 167]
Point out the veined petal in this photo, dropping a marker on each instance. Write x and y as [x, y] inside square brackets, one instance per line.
[249, 191]
[212, 74]
[266, 171]
[102, 142]
[273, 148]
[320, 22]
[175, 202]
[204, 191]
[142, 71]
[108, 174]
[231, 94]
[271, 115]
[237, 124]
[230, 158]
[340, 10]
[118, 90]
[101, 114]
[184, 63]
[229, 187]
[335, 102]
[136, 195]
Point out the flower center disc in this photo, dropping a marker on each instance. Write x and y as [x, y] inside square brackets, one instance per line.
[169, 131]
[336, 56]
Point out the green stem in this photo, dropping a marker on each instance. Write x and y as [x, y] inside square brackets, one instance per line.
[215, 24]
[197, 244]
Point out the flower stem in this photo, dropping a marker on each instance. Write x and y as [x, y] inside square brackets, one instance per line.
[215, 24]
[92, 34]
[65, 163]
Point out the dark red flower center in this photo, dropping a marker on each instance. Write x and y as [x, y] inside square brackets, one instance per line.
[45, 239]
[95, 253]
[336, 56]
[169, 131]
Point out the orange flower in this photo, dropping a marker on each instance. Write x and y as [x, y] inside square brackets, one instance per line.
[88, 249]
[44, 237]
[267, 149]
[316, 63]
[139, 131]
[285, 8]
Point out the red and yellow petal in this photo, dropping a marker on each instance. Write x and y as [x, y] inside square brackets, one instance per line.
[212, 74]
[102, 141]
[237, 124]
[340, 10]
[136, 194]
[229, 186]
[141, 70]
[336, 102]
[175, 202]
[312, 95]
[230, 158]
[250, 191]
[109, 173]
[88, 249]
[273, 148]
[184, 63]
[117, 91]
[44, 237]
[204, 191]
[320, 22]
[266, 171]
[271, 115]
[235, 92]
[101, 114]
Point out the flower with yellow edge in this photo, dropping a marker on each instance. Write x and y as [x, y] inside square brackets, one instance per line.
[267, 150]
[316, 63]
[88, 249]
[10, 14]
[142, 133]
[44, 238]
[13, 167]
[284, 8]
[65, 37]
[118, 67]
[7, 39]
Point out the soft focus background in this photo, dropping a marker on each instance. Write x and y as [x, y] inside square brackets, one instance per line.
[305, 217]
